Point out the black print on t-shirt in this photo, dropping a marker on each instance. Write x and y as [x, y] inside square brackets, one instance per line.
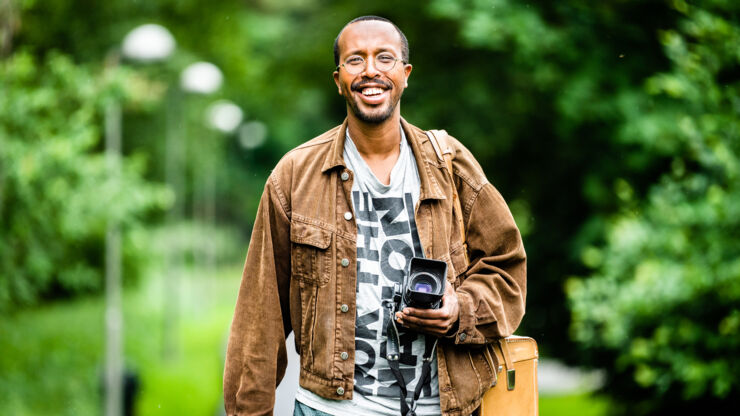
[369, 233]
[393, 206]
[398, 230]
[364, 211]
[390, 247]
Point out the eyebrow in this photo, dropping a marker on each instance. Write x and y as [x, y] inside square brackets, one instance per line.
[377, 51]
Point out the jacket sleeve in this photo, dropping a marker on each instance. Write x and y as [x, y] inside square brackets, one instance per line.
[493, 292]
[256, 356]
[492, 296]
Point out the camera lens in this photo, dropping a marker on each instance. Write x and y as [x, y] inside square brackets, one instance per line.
[424, 282]
[423, 287]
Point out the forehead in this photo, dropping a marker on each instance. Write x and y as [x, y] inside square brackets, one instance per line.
[369, 35]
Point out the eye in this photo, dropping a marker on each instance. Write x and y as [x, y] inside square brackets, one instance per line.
[386, 58]
[354, 60]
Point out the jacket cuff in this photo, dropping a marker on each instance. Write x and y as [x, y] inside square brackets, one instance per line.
[466, 332]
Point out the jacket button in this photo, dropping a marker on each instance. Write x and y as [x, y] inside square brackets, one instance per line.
[345, 262]
[462, 337]
[344, 356]
[340, 391]
[347, 215]
[344, 308]
[344, 176]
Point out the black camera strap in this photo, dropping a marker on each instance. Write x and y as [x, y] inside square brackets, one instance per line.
[393, 355]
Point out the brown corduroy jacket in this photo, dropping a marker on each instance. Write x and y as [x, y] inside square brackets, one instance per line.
[300, 275]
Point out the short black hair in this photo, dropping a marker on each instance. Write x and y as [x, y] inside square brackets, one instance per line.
[404, 41]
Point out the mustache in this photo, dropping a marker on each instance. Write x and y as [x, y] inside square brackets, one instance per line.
[357, 86]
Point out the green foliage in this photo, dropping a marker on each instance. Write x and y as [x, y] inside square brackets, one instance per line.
[53, 355]
[539, 102]
[664, 297]
[56, 194]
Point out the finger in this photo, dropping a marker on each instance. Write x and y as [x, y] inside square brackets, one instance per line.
[425, 323]
[421, 321]
[425, 329]
[441, 313]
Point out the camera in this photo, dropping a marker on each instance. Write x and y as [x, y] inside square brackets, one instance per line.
[424, 285]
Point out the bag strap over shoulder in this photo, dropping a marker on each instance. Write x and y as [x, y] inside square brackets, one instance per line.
[444, 152]
[441, 148]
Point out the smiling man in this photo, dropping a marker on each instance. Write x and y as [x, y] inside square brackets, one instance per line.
[339, 221]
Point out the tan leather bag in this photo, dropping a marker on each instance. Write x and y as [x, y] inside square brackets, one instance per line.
[516, 394]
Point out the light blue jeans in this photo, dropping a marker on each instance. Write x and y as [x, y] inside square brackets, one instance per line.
[303, 410]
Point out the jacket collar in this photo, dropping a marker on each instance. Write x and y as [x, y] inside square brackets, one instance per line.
[427, 165]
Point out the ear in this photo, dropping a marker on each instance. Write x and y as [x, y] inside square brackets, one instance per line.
[407, 71]
[336, 81]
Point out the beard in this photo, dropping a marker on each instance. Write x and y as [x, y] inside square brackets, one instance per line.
[377, 115]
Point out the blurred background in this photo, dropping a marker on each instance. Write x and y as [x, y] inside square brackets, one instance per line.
[136, 136]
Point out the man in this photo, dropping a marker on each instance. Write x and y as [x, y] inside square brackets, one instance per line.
[339, 220]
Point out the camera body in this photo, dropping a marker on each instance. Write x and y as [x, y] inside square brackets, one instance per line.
[424, 285]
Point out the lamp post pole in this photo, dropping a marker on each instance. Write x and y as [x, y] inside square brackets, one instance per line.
[175, 149]
[113, 312]
[225, 117]
[145, 43]
[202, 78]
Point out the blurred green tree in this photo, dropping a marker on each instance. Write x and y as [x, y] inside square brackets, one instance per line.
[663, 302]
[540, 88]
[56, 197]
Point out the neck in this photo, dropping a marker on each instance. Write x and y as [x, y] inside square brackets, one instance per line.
[376, 140]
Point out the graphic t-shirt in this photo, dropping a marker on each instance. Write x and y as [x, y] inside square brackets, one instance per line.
[387, 239]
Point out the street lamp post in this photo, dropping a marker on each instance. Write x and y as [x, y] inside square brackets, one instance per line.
[225, 117]
[113, 312]
[203, 78]
[146, 43]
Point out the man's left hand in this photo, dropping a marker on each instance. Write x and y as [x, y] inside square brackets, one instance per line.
[437, 322]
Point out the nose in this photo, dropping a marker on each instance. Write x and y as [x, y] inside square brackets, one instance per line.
[370, 70]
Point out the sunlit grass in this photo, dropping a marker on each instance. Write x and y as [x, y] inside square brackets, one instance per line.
[580, 404]
[51, 357]
[188, 380]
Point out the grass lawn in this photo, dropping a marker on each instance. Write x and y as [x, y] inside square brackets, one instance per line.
[51, 357]
[580, 404]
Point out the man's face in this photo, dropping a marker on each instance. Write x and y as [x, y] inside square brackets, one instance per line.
[372, 95]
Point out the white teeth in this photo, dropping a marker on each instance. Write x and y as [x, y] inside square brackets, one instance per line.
[371, 91]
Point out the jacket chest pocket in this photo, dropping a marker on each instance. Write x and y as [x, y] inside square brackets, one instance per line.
[310, 253]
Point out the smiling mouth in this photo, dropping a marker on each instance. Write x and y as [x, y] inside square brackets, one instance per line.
[371, 91]
[372, 95]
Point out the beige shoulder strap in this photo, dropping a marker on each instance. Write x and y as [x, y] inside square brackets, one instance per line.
[441, 147]
[444, 152]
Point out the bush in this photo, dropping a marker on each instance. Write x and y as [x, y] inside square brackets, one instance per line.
[56, 196]
[662, 308]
